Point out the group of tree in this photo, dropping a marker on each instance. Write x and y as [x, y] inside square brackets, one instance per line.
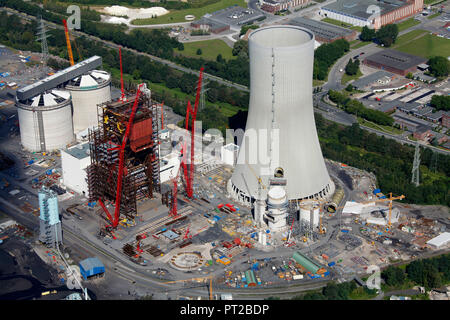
[440, 102]
[389, 160]
[430, 273]
[352, 67]
[386, 35]
[21, 36]
[245, 28]
[439, 66]
[356, 107]
[333, 291]
[326, 55]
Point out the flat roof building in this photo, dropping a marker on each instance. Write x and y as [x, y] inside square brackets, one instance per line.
[359, 12]
[440, 241]
[324, 32]
[278, 5]
[394, 61]
[210, 25]
[369, 80]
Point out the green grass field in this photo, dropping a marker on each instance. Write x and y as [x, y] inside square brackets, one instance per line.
[341, 24]
[359, 44]
[437, 14]
[407, 37]
[407, 24]
[210, 50]
[375, 126]
[178, 15]
[346, 78]
[427, 46]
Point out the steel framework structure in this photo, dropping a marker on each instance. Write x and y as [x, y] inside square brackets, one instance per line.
[124, 155]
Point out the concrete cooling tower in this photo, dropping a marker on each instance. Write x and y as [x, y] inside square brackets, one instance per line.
[88, 91]
[281, 71]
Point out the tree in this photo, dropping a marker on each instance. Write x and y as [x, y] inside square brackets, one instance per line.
[387, 34]
[409, 75]
[349, 88]
[439, 66]
[219, 58]
[199, 51]
[352, 67]
[440, 102]
[367, 34]
[244, 29]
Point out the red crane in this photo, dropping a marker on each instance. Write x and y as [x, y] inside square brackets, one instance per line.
[190, 180]
[162, 116]
[115, 220]
[187, 235]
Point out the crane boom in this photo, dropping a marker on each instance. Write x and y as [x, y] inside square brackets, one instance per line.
[69, 47]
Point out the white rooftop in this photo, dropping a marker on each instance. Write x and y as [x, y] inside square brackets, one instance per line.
[440, 240]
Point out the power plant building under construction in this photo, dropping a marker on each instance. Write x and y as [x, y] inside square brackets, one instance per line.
[141, 160]
[281, 66]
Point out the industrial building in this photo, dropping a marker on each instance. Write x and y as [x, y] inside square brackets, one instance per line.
[91, 267]
[50, 225]
[365, 82]
[324, 32]
[140, 163]
[229, 154]
[45, 121]
[278, 5]
[394, 61]
[281, 63]
[209, 25]
[74, 161]
[440, 241]
[88, 90]
[234, 17]
[363, 13]
[53, 109]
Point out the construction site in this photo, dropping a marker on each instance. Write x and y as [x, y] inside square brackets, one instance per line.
[152, 195]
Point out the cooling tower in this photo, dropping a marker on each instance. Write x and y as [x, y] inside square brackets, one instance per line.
[281, 71]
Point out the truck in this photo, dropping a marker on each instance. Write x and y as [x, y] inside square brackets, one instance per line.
[298, 277]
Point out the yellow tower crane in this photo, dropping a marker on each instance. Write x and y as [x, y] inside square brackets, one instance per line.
[69, 47]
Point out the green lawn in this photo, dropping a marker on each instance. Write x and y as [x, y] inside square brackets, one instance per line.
[375, 126]
[407, 24]
[317, 82]
[437, 14]
[361, 294]
[210, 49]
[339, 23]
[407, 37]
[427, 46]
[359, 44]
[178, 15]
[346, 78]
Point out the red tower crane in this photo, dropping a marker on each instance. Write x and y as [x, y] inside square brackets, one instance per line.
[115, 220]
[190, 178]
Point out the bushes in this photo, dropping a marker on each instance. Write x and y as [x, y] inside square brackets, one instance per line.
[326, 55]
[356, 107]
[440, 102]
[439, 66]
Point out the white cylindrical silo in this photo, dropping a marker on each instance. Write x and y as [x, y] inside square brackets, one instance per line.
[45, 121]
[88, 91]
[277, 205]
[281, 108]
[309, 212]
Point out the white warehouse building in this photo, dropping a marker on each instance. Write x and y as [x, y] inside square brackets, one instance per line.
[74, 161]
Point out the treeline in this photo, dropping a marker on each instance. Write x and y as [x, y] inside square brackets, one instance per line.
[389, 160]
[326, 55]
[386, 35]
[21, 36]
[154, 42]
[334, 291]
[170, 5]
[355, 107]
[440, 102]
[429, 273]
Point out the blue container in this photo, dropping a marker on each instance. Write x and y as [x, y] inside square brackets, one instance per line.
[221, 257]
[326, 273]
[376, 191]
[332, 263]
[164, 229]
[48, 172]
[345, 231]
[217, 218]
[380, 233]
[267, 231]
